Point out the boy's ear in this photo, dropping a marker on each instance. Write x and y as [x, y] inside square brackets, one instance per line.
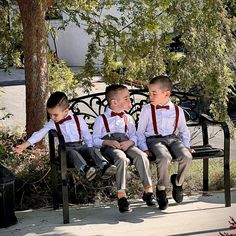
[113, 102]
[168, 93]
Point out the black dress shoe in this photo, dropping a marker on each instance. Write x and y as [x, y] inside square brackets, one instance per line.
[149, 198]
[89, 172]
[177, 192]
[162, 199]
[108, 171]
[123, 205]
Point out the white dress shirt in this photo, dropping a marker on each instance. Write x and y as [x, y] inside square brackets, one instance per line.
[116, 125]
[69, 131]
[165, 120]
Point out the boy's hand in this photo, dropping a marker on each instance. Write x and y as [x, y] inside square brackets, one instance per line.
[191, 150]
[126, 144]
[112, 143]
[148, 153]
[21, 147]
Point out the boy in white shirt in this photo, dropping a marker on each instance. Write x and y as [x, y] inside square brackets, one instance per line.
[115, 133]
[158, 123]
[76, 135]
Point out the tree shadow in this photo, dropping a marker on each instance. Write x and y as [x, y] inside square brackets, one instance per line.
[49, 222]
[217, 197]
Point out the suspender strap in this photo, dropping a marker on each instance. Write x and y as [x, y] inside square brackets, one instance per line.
[105, 123]
[58, 129]
[107, 126]
[154, 121]
[78, 126]
[176, 117]
[126, 123]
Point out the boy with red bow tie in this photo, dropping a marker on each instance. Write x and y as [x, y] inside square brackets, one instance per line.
[76, 135]
[115, 134]
[158, 123]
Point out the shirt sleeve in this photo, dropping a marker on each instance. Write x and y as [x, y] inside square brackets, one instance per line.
[183, 129]
[86, 135]
[132, 129]
[97, 132]
[39, 135]
[142, 125]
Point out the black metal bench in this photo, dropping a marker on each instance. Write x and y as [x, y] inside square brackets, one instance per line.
[92, 105]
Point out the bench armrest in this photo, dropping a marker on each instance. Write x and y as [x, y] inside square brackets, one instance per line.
[52, 145]
[205, 117]
[53, 134]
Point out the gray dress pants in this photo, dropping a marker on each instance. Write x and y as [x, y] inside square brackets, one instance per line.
[166, 149]
[121, 160]
[78, 154]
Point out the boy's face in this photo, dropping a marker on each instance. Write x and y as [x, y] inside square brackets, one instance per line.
[157, 95]
[57, 113]
[122, 101]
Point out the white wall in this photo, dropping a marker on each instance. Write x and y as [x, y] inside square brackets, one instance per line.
[71, 44]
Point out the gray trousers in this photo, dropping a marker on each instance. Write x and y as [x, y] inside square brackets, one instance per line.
[166, 149]
[78, 154]
[121, 160]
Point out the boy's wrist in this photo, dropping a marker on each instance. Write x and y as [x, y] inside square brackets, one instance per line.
[105, 142]
[27, 144]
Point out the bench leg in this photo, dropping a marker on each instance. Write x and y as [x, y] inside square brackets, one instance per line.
[227, 181]
[65, 202]
[65, 199]
[54, 182]
[205, 174]
[54, 173]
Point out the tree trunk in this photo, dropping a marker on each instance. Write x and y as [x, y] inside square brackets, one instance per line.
[35, 55]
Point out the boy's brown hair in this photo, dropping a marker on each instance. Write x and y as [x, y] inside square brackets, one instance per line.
[164, 82]
[58, 99]
[112, 90]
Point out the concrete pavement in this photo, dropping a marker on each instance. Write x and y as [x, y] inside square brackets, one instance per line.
[197, 215]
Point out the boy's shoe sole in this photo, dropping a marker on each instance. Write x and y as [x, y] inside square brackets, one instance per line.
[109, 172]
[90, 174]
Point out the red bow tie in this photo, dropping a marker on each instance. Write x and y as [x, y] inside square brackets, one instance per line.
[61, 121]
[162, 107]
[121, 114]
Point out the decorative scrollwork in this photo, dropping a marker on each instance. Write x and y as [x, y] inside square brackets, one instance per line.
[91, 106]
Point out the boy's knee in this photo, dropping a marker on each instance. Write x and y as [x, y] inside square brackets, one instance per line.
[122, 160]
[167, 158]
[143, 158]
[187, 157]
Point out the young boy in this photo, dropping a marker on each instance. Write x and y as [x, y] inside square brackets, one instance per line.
[115, 133]
[156, 133]
[77, 137]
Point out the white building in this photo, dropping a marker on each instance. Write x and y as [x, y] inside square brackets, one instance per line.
[71, 43]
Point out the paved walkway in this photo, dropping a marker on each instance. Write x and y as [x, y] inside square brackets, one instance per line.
[197, 215]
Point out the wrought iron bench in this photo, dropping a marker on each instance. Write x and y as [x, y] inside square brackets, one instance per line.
[92, 105]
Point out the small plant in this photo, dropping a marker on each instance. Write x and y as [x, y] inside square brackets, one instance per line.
[2, 109]
[232, 226]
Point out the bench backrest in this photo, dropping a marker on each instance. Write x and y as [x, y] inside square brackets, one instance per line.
[91, 106]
